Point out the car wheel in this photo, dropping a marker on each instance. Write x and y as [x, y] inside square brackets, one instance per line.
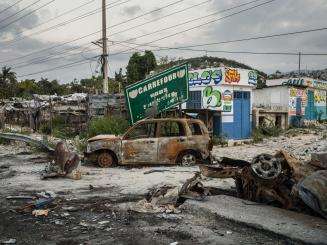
[187, 159]
[105, 160]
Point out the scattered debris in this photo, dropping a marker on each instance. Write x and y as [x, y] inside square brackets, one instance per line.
[19, 197]
[279, 179]
[19, 137]
[313, 191]
[40, 212]
[65, 164]
[10, 241]
[167, 198]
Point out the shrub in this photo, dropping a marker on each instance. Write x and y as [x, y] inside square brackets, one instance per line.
[219, 140]
[107, 125]
[265, 131]
[257, 135]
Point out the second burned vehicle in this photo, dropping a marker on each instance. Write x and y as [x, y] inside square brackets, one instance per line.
[153, 141]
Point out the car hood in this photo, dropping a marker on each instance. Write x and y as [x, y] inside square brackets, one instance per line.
[108, 137]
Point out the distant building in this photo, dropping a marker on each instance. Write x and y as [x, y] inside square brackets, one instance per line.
[222, 97]
[301, 98]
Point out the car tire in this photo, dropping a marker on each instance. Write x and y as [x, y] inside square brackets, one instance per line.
[106, 160]
[187, 159]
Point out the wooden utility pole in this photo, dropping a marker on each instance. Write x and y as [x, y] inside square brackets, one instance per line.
[104, 48]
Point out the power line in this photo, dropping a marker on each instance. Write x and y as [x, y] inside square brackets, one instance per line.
[203, 24]
[162, 17]
[54, 46]
[31, 12]
[8, 17]
[54, 18]
[196, 5]
[184, 48]
[66, 22]
[79, 62]
[193, 20]
[10, 6]
[238, 40]
[30, 63]
[93, 33]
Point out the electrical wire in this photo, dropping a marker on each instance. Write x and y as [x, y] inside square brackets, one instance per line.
[66, 22]
[10, 6]
[203, 24]
[8, 17]
[192, 20]
[46, 22]
[123, 22]
[91, 34]
[31, 12]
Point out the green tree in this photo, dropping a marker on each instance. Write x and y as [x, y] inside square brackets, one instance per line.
[27, 88]
[8, 83]
[140, 65]
[92, 84]
[133, 71]
[77, 87]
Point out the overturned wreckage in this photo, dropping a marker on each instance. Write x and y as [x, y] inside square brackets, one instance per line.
[279, 179]
[65, 162]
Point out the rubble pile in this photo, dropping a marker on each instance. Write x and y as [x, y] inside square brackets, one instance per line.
[278, 179]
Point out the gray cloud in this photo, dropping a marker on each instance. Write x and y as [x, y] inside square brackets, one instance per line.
[132, 10]
[13, 29]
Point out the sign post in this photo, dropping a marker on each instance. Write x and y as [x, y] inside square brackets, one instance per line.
[158, 93]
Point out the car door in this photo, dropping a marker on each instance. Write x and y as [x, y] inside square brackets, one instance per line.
[140, 145]
[172, 140]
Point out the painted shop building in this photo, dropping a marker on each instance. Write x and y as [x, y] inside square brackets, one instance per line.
[303, 98]
[222, 97]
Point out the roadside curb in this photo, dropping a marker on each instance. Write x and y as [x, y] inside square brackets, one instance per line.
[294, 226]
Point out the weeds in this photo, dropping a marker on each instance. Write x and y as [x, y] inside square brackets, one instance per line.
[107, 125]
[220, 140]
[262, 132]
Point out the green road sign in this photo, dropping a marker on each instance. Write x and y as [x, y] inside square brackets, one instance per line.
[158, 93]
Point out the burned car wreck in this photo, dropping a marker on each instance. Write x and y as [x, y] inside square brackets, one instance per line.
[153, 141]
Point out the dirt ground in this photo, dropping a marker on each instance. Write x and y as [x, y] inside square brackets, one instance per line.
[91, 210]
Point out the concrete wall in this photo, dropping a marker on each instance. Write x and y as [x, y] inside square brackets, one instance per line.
[274, 98]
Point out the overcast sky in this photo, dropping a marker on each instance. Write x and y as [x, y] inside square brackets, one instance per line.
[278, 16]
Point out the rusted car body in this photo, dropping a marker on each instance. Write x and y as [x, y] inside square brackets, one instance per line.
[153, 141]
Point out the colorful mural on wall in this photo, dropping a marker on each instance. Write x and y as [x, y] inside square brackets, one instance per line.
[211, 98]
[297, 101]
[227, 100]
[253, 77]
[307, 82]
[320, 97]
[232, 76]
[221, 76]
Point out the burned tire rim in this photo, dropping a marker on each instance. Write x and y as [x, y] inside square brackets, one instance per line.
[105, 160]
[266, 166]
[188, 159]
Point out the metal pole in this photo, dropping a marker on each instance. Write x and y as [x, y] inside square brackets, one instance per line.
[104, 48]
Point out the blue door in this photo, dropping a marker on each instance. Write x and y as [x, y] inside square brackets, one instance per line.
[242, 109]
[246, 111]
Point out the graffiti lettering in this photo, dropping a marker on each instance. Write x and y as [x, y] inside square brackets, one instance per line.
[205, 78]
[253, 77]
[232, 76]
